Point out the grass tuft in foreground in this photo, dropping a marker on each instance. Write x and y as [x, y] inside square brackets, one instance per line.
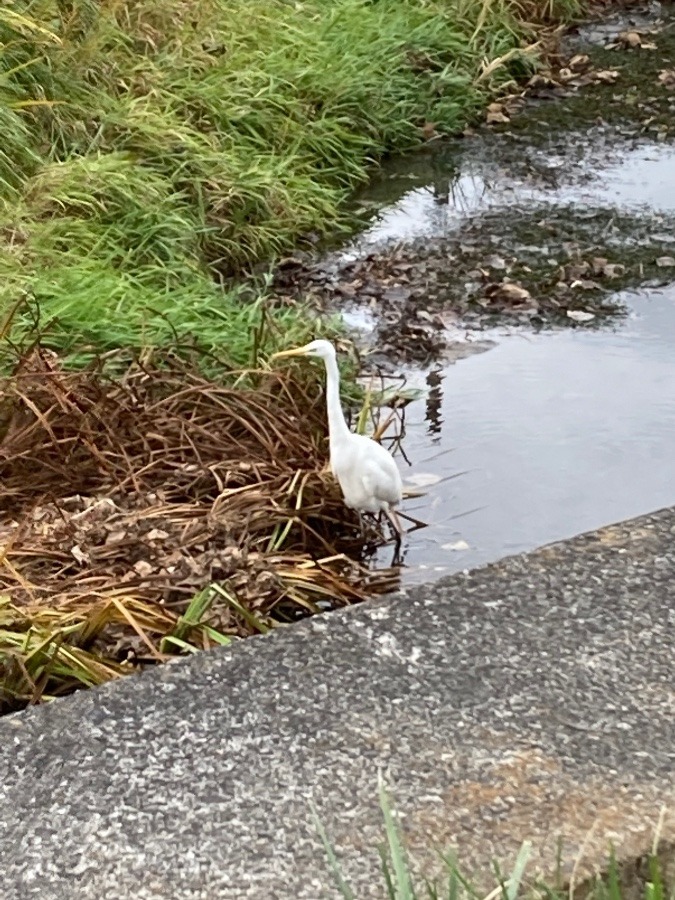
[646, 880]
[160, 513]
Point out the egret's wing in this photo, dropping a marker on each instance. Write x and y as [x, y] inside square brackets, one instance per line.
[383, 481]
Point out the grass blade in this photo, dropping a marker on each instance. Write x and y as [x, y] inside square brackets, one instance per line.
[333, 861]
[397, 854]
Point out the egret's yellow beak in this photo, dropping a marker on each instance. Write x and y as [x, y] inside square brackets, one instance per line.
[297, 351]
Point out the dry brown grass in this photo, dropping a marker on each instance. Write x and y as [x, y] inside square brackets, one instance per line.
[124, 500]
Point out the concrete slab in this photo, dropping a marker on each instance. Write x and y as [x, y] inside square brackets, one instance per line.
[529, 699]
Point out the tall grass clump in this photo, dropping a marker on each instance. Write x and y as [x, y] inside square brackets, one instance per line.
[151, 151]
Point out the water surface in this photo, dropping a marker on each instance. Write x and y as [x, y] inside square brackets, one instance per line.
[553, 434]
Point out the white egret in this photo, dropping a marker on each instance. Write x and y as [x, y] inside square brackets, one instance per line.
[366, 472]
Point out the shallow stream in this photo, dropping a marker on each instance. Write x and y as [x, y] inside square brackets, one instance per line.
[549, 431]
[547, 435]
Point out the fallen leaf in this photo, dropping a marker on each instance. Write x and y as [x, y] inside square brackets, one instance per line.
[614, 270]
[496, 114]
[665, 262]
[630, 39]
[429, 131]
[580, 61]
[458, 545]
[79, 555]
[578, 315]
[423, 479]
[144, 568]
[606, 76]
[509, 292]
[586, 284]
[157, 535]
[667, 78]
[495, 262]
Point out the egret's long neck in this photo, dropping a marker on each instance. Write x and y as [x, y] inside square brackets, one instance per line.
[337, 426]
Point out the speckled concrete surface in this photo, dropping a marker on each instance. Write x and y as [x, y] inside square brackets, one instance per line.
[530, 699]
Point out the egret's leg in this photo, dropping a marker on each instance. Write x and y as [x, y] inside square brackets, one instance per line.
[362, 524]
[392, 515]
[397, 558]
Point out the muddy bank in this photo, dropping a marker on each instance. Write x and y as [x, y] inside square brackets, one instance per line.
[536, 220]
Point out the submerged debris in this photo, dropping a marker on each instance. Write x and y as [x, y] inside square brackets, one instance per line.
[124, 500]
[536, 265]
[422, 294]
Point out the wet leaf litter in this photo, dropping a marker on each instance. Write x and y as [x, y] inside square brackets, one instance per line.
[527, 249]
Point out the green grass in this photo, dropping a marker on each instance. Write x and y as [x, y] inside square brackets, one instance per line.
[152, 151]
[644, 878]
